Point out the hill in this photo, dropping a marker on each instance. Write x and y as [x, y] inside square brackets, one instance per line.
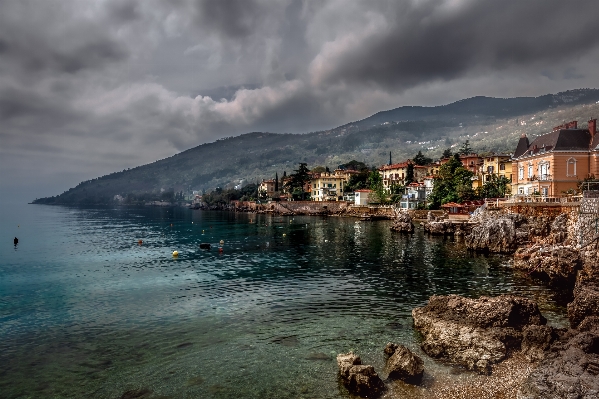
[491, 125]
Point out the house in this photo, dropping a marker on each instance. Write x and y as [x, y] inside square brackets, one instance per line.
[499, 165]
[555, 162]
[327, 186]
[362, 196]
[396, 174]
[267, 187]
[415, 194]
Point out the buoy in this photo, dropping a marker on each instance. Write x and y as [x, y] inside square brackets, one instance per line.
[203, 231]
[284, 235]
[140, 242]
[222, 242]
[16, 241]
[171, 225]
[175, 254]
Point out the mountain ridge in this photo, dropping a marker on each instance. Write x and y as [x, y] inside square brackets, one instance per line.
[256, 155]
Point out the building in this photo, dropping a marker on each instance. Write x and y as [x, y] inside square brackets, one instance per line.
[362, 197]
[396, 174]
[327, 186]
[267, 187]
[499, 165]
[554, 163]
[415, 195]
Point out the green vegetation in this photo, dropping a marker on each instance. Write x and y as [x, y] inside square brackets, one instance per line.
[297, 182]
[453, 184]
[375, 183]
[222, 197]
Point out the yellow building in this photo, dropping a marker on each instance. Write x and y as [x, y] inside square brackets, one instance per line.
[327, 186]
[396, 174]
[499, 165]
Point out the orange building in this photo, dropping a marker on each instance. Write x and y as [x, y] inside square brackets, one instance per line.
[555, 162]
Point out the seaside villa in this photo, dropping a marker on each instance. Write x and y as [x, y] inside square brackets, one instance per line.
[555, 162]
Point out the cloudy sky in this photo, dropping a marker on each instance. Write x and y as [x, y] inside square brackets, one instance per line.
[88, 87]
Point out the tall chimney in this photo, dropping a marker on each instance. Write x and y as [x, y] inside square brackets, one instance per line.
[592, 128]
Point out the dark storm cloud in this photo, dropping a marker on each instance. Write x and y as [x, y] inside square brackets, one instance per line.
[97, 86]
[235, 19]
[426, 40]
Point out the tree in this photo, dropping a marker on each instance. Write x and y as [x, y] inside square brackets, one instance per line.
[421, 160]
[375, 182]
[276, 181]
[452, 184]
[494, 187]
[357, 181]
[409, 174]
[465, 149]
[298, 180]
[446, 153]
[318, 169]
[354, 165]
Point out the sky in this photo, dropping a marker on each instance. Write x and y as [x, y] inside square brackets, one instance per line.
[89, 87]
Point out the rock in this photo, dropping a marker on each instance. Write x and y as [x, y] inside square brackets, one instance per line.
[475, 333]
[585, 303]
[570, 370]
[556, 263]
[536, 341]
[493, 235]
[403, 364]
[446, 227]
[403, 223]
[358, 378]
[390, 348]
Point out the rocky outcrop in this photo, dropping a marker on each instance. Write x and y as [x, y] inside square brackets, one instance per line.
[556, 263]
[446, 227]
[402, 364]
[493, 235]
[570, 370]
[536, 341]
[475, 333]
[359, 379]
[403, 223]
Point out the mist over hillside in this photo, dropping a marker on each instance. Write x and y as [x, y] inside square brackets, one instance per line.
[491, 125]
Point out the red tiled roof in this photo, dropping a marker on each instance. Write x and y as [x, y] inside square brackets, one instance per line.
[363, 190]
[395, 166]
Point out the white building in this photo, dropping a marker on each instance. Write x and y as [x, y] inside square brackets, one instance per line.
[362, 196]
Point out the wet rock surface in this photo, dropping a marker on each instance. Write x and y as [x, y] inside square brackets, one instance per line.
[404, 365]
[475, 333]
[403, 223]
[358, 378]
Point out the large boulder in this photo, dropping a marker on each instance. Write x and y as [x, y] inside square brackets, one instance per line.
[493, 235]
[403, 223]
[556, 263]
[402, 364]
[475, 333]
[571, 369]
[536, 341]
[358, 378]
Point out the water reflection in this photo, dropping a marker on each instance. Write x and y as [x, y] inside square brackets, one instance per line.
[90, 312]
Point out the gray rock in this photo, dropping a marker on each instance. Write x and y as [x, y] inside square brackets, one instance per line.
[403, 364]
[570, 370]
[557, 263]
[358, 378]
[493, 235]
[536, 341]
[403, 223]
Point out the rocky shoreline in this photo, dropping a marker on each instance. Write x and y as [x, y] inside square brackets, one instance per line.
[494, 336]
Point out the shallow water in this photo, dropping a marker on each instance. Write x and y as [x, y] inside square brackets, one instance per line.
[87, 312]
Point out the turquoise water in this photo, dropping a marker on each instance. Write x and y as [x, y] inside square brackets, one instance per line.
[87, 312]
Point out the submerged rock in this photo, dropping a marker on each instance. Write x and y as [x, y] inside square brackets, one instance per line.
[403, 364]
[358, 378]
[475, 333]
[403, 223]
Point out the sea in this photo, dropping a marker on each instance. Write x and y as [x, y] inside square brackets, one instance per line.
[93, 304]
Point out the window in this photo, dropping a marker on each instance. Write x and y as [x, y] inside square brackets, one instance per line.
[521, 173]
[502, 166]
[529, 170]
[571, 167]
[545, 191]
[490, 169]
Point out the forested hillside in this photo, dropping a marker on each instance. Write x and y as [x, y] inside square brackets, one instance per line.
[490, 124]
